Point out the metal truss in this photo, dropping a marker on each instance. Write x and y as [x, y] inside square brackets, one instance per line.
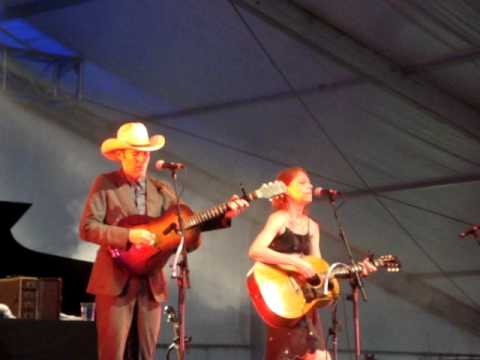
[13, 67]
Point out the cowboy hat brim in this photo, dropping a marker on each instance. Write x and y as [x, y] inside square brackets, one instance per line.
[110, 146]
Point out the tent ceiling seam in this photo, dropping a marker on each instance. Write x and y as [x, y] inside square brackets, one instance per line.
[418, 137]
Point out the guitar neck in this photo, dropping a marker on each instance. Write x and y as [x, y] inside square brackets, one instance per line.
[348, 270]
[211, 213]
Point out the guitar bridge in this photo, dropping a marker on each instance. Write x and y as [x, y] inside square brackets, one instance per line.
[309, 294]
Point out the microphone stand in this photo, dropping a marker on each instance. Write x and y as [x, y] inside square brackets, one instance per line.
[355, 281]
[332, 331]
[180, 272]
[172, 318]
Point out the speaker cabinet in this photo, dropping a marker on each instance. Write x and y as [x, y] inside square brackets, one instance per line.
[31, 297]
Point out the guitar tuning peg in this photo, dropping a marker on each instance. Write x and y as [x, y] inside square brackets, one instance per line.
[371, 256]
[244, 193]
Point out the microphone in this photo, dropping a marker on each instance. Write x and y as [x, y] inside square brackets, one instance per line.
[321, 192]
[161, 165]
[472, 231]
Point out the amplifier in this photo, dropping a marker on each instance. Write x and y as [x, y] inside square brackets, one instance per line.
[31, 297]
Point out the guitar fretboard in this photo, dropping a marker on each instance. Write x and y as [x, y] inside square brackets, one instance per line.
[205, 215]
[209, 214]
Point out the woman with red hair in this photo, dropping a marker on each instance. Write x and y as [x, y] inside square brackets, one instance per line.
[288, 235]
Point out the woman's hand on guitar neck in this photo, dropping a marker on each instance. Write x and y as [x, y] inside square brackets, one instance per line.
[367, 266]
[141, 237]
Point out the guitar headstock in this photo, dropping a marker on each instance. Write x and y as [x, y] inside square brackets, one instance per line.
[270, 190]
[389, 262]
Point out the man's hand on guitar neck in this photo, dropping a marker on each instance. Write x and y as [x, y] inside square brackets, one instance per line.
[141, 237]
[236, 206]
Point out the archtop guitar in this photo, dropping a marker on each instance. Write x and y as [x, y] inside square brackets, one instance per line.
[143, 259]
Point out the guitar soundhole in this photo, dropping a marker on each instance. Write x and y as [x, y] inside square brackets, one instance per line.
[170, 228]
[314, 280]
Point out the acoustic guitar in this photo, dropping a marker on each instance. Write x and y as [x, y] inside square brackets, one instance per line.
[143, 259]
[282, 296]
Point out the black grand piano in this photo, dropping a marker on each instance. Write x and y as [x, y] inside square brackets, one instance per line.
[44, 339]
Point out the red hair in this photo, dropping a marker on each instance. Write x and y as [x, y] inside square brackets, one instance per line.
[286, 176]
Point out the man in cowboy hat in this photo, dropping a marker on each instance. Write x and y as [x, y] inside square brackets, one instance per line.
[113, 197]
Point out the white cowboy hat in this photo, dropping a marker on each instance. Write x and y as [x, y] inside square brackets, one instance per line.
[132, 135]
